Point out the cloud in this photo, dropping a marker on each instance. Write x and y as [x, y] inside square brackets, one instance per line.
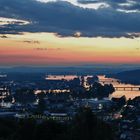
[41, 49]
[31, 42]
[48, 49]
[5, 21]
[88, 1]
[126, 5]
[65, 19]
[3, 36]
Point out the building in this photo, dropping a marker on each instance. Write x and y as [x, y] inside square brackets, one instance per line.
[4, 92]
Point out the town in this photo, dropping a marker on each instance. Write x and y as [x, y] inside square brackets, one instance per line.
[59, 98]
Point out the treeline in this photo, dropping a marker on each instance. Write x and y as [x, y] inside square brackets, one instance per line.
[96, 90]
[22, 77]
[85, 126]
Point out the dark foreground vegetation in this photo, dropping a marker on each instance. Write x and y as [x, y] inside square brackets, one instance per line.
[85, 126]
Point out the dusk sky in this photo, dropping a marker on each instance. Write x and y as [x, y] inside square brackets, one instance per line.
[69, 32]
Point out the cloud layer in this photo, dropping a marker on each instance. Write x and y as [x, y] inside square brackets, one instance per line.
[66, 19]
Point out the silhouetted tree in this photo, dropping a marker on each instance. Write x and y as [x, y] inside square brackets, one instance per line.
[100, 91]
[7, 128]
[108, 89]
[119, 101]
[74, 83]
[84, 126]
[41, 95]
[41, 106]
[87, 126]
[24, 96]
[92, 80]
[8, 98]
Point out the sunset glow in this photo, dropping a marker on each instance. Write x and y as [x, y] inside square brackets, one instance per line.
[49, 49]
[60, 37]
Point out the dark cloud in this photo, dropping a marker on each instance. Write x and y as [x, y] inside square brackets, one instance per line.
[65, 19]
[41, 49]
[135, 6]
[3, 36]
[99, 1]
[127, 4]
[48, 49]
[31, 42]
[11, 29]
[88, 1]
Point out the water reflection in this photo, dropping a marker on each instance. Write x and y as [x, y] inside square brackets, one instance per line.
[103, 80]
[116, 83]
[60, 77]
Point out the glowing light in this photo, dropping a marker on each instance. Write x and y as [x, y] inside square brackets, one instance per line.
[72, 50]
[5, 21]
[77, 34]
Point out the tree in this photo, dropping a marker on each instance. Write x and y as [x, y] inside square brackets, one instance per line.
[84, 126]
[100, 91]
[74, 83]
[108, 89]
[119, 101]
[92, 80]
[41, 95]
[7, 128]
[87, 126]
[25, 96]
[8, 98]
[41, 106]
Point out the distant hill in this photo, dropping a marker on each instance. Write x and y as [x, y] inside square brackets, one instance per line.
[89, 69]
[132, 76]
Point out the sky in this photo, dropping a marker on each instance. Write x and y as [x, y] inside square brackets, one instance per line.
[69, 32]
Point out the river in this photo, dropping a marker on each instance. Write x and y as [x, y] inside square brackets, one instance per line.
[103, 80]
[116, 83]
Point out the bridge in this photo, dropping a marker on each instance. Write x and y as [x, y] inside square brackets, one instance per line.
[134, 88]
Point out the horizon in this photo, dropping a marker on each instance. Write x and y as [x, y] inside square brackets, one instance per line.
[69, 69]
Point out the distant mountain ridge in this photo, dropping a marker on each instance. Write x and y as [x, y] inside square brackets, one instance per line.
[97, 69]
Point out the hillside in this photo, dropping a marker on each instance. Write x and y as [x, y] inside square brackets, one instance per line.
[132, 76]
